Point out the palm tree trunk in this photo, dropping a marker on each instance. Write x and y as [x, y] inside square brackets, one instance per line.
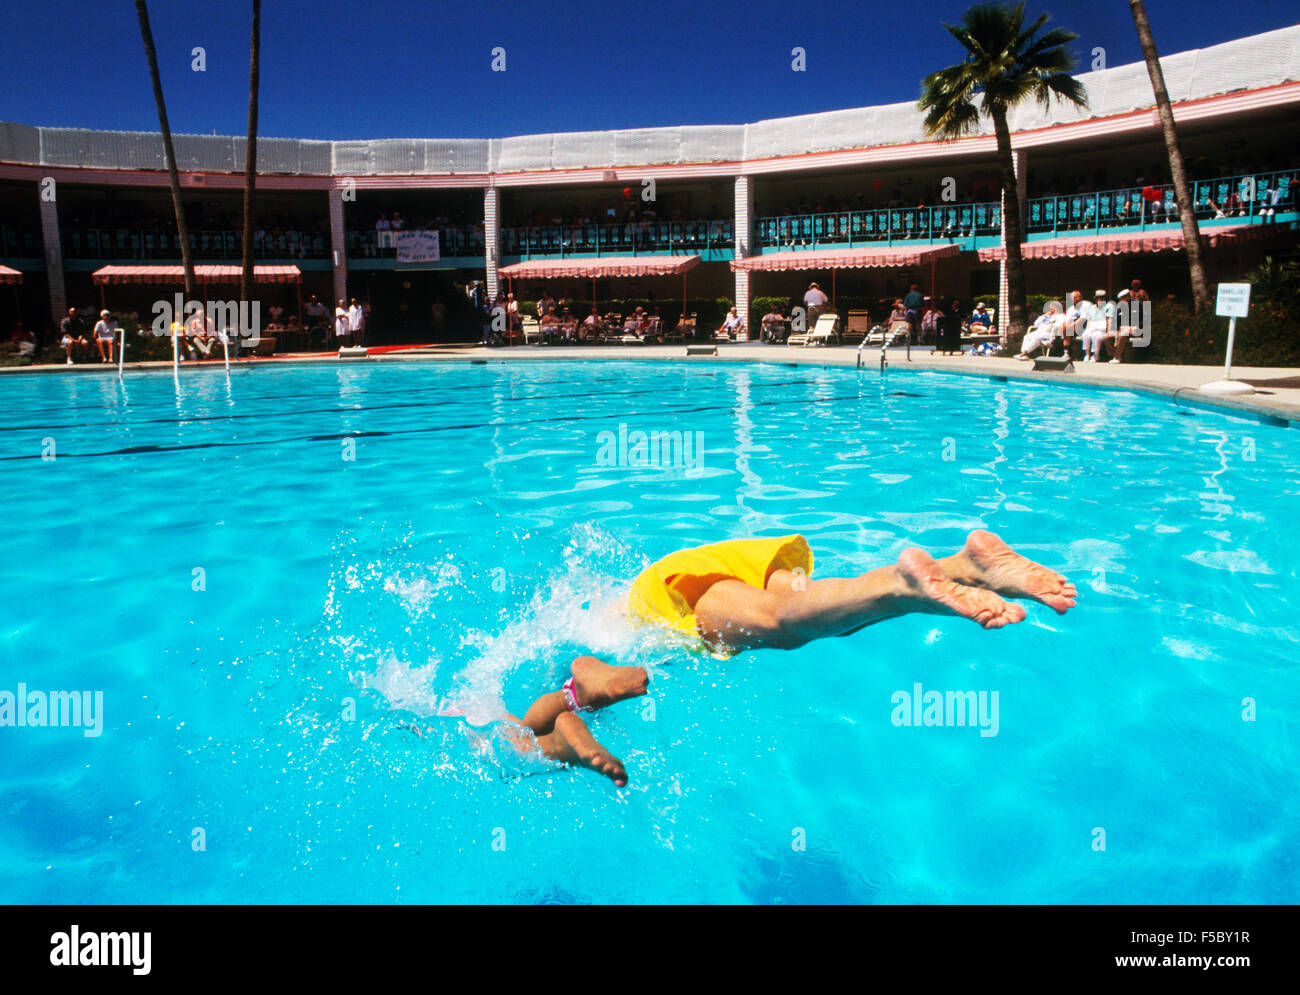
[250, 156]
[1013, 228]
[1186, 207]
[173, 176]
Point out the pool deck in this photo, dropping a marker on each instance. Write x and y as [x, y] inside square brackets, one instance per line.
[1277, 389]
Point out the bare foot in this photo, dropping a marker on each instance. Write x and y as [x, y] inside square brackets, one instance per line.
[1004, 570]
[598, 685]
[573, 743]
[929, 584]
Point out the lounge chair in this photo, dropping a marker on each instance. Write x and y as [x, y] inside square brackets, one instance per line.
[826, 330]
[859, 321]
[532, 330]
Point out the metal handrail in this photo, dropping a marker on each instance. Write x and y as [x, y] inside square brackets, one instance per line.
[630, 238]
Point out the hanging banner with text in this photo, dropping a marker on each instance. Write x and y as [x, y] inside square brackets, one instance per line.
[417, 246]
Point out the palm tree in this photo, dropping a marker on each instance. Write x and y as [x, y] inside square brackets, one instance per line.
[250, 156]
[1186, 209]
[1004, 65]
[182, 229]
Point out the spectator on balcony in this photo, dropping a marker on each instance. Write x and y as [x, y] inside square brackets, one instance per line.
[398, 223]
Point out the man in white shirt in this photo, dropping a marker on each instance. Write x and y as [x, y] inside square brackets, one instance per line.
[1044, 330]
[357, 322]
[1100, 327]
[814, 297]
[1076, 319]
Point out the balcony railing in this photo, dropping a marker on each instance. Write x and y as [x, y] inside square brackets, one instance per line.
[160, 243]
[380, 244]
[632, 238]
[1244, 196]
[20, 243]
[888, 225]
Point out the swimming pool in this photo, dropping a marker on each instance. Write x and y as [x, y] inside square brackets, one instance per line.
[274, 576]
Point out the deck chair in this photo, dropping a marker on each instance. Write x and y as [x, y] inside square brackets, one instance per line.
[859, 321]
[897, 332]
[685, 328]
[532, 330]
[826, 330]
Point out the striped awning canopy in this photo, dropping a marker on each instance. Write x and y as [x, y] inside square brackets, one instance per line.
[876, 255]
[598, 266]
[1127, 243]
[205, 273]
[8, 275]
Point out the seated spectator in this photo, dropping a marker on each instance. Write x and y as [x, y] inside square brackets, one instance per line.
[550, 325]
[1076, 320]
[732, 325]
[105, 333]
[591, 327]
[568, 326]
[1100, 327]
[22, 341]
[1045, 330]
[773, 327]
[69, 342]
[980, 321]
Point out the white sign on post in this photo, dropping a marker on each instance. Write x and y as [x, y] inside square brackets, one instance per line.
[1233, 300]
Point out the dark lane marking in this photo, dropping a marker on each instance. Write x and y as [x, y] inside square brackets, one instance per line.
[424, 430]
[357, 409]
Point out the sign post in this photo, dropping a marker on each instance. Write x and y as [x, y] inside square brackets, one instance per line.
[1233, 302]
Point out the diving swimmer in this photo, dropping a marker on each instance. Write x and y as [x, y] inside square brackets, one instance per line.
[746, 594]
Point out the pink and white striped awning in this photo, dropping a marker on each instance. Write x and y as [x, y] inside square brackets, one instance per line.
[205, 273]
[599, 266]
[8, 275]
[876, 255]
[1128, 243]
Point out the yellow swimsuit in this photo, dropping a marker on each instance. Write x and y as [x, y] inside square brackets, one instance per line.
[666, 592]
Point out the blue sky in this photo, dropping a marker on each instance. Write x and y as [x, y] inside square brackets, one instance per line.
[334, 69]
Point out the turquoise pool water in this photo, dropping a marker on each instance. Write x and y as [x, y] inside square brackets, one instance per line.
[257, 741]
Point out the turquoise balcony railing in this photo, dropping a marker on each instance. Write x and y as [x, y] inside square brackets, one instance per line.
[633, 238]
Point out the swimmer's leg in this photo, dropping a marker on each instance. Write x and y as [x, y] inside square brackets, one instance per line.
[986, 561]
[595, 684]
[571, 742]
[563, 736]
[739, 616]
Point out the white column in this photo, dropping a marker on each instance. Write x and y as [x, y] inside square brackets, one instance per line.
[491, 238]
[338, 245]
[743, 230]
[1018, 160]
[53, 256]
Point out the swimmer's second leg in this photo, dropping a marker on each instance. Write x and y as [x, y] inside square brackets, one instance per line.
[596, 684]
[739, 616]
[571, 742]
